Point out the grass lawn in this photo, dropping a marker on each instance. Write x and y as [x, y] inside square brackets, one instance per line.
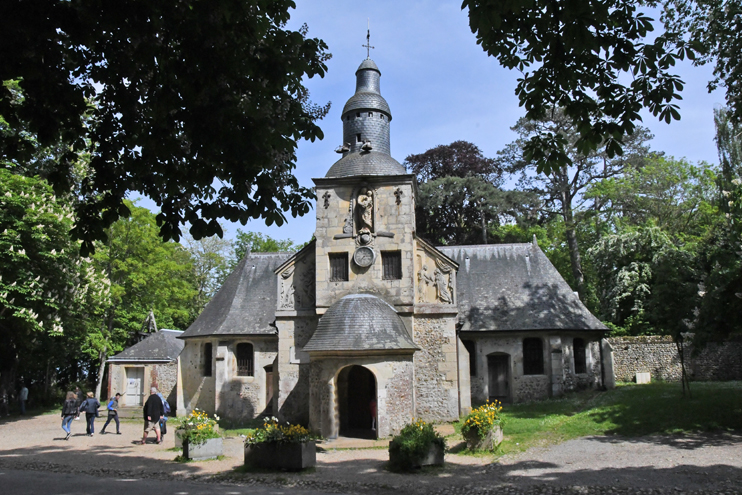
[629, 410]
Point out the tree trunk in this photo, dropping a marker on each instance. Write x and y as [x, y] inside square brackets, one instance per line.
[99, 386]
[574, 249]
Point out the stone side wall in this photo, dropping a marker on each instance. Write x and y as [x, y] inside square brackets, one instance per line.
[198, 391]
[658, 355]
[165, 378]
[291, 397]
[242, 398]
[436, 371]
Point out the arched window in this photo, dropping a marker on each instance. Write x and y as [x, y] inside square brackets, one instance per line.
[471, 347]
[533, 357]
[208, 358]
[244, 360]
[580, 358]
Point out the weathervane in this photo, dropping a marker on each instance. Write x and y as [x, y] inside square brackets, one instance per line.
[368, 46]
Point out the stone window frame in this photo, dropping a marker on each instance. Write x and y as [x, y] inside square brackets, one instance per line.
[207, 359]
[579, 358]
[249, 372]
[340, 258]
[391, 265]
[531, 365]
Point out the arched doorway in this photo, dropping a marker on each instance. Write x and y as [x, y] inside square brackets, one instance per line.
[498, 369]
[356, 391]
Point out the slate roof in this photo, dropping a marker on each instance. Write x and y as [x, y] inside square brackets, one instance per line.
[368, 64]
[511, 287]
[366, 100]
[161, 346]
[366, 163]
[246, 303]
[360, 322]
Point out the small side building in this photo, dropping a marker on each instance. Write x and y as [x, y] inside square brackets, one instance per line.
[153, 362]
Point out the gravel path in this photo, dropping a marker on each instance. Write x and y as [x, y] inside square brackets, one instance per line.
[698, 463]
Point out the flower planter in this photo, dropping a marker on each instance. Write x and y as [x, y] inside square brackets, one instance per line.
[210, 449]
[178, 436]
[491, 440]
[433, 457]
[284, 456]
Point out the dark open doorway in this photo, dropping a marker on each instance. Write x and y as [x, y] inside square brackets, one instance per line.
[498, 366]
[357, 402]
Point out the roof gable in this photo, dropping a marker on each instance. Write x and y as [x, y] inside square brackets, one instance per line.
[515, 287]
[161, 346]
[246, 303]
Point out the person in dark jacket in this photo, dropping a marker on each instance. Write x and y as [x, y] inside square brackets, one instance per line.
[90, 407]
[69, 411]
[113, 414]
[153, 413]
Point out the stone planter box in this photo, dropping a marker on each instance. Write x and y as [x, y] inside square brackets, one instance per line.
[433, 457]
[178, 436]
[283, 456]
[210, 449]
[489, 442]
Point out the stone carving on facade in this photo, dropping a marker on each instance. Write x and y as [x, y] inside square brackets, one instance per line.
[326, 197]
[287, 290]
[439, 279]
[365, 203]
[398, 194]
[348, 225]
[308, 288]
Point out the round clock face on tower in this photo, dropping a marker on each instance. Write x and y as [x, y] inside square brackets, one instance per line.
[364, 257]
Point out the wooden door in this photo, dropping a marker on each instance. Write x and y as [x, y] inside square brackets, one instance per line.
[499, 376]
[134, 385]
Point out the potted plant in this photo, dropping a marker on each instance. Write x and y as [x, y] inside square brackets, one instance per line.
[280, 446]
[417, 445]
[200, 436]
[482, 428]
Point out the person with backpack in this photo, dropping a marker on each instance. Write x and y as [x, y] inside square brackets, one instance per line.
[166, 409]
[69, 411]
[90, 407]
[113, 414]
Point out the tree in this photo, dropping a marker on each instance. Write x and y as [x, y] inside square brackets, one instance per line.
[674, 195]
[210, 261]
[561, 192]
[255, 242]
[145, 274]
[593, 59]
[729, 145]
[47, 291]
[197, 105]
[713, 28]
[459, 198]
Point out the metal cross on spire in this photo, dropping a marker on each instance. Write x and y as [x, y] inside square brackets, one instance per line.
[368, 46]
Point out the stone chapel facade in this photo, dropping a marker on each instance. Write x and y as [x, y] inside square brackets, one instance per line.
[369, 316]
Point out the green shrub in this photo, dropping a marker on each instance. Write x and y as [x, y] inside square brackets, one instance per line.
[412, 443]
[483, 419]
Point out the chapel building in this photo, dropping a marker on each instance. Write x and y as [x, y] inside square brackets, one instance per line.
[370, 326]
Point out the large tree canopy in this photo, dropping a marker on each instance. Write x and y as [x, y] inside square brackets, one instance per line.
[590, 57]
[197, 105]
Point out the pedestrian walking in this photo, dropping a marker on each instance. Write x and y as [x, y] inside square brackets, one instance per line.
[113, 414]
[69, 411]
[153, 413]
[23, 398]
[90, 407]
[165, 413]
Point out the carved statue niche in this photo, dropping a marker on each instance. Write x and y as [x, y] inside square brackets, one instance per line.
[365, 202]
[287, 290]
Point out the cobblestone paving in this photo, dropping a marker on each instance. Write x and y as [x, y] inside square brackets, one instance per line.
[597, 465]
